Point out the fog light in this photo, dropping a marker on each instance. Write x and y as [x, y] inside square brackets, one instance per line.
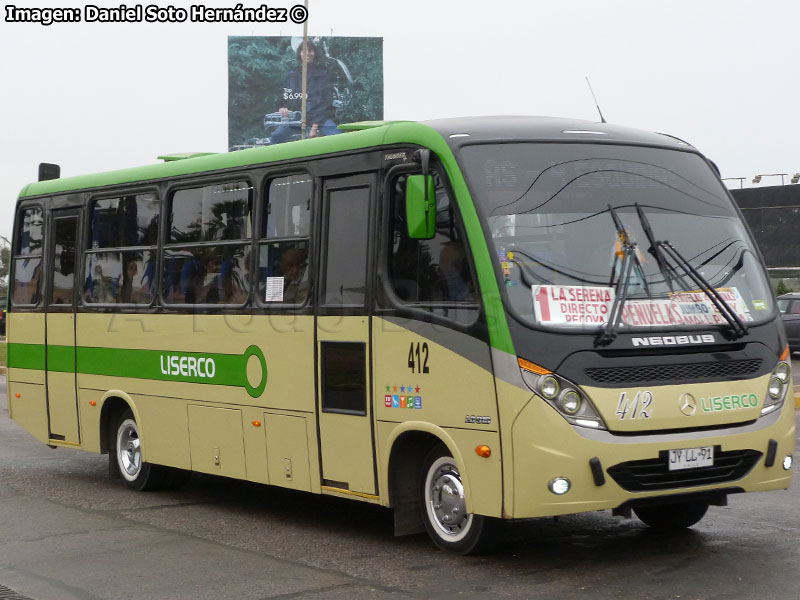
[787, 462]
[559, 486]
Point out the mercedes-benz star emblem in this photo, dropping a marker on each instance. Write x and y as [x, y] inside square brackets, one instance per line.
[687, 404]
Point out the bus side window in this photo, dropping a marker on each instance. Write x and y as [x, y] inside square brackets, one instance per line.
[207, 253]
[121, 257]
[435, 274]
[28, 258]
[283, 249]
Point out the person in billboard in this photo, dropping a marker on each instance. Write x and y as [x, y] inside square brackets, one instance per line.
[319, 104]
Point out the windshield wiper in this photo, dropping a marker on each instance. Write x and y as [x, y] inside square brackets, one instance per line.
[629, 257]
[738, 327]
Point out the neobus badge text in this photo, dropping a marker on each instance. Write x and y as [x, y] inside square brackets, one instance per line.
[673, 340]
[188, 366]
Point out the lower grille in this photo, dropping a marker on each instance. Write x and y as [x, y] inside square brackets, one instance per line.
[654, 473]
[731, 369]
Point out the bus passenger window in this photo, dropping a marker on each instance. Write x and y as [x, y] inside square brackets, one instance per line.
[120, 262]
[283, 252]
[28, 258]
[435, 274]
[196, 271]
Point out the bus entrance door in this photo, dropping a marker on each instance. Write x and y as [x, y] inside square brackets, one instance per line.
[343, 338]
[62, 399]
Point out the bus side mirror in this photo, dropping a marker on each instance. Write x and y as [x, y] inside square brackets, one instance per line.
[420, 207]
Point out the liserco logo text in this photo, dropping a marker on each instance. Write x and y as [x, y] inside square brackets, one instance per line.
[188, 366]
[718, 403]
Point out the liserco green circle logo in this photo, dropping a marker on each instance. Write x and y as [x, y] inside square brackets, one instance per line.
[255, 392]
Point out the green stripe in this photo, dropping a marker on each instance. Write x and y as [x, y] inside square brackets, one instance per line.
[26, 356]
[61, 359]
[158, 365]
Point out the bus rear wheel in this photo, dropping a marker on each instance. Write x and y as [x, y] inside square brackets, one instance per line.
[671, 517]
[444, 509]
[136, 474]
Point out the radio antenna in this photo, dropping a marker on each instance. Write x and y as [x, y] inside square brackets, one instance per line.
[602, 118]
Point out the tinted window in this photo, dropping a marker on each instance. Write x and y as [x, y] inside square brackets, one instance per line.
[344, 377]
[212, 212]
[206, 275]
[64, 260]
[27, 278]
[28, 260]
[435, 274]
[346, 256]
[288, 211]
[31, 232]
[124, 221]
[284, 272]
[283, 254]
[126, 275]
[120, 277]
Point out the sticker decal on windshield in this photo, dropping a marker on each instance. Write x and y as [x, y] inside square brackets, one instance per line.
[579, 305]
[562, 304]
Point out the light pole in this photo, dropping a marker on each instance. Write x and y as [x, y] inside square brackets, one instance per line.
[757, 178]
[739, 179]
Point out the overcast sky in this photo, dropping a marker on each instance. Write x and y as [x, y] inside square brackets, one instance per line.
[719, 73]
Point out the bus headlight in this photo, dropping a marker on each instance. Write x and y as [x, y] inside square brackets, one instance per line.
[779, 384]
[563, 395]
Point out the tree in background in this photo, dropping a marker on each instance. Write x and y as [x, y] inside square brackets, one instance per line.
[258, 68]
[781, 288]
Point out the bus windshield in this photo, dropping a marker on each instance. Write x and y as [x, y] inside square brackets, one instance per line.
[569, 225]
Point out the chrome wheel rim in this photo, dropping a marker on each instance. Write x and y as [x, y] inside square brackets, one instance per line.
[444, 500]
[129, 450]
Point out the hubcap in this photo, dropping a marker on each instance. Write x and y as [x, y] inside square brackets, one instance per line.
[446, 506]
[129, 452]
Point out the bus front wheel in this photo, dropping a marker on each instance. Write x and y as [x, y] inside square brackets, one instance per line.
[136, 473]
[672, 516]
[444, 509]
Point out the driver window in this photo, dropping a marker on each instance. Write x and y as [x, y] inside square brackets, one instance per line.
[435, 274]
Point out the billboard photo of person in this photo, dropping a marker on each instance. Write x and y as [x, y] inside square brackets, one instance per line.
[344, 84]
[320, 111]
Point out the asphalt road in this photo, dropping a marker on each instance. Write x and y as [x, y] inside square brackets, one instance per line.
[68, 532]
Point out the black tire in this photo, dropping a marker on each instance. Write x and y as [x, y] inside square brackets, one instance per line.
[135, 473]
[672, 517]
[444, 510]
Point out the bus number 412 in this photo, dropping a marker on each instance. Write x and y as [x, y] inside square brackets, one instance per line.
[418, 358]
[637, 407]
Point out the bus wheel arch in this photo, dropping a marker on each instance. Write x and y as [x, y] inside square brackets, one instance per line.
[410, 446]
[114, 404]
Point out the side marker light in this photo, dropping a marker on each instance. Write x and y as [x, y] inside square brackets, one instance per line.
[483, 451]
[256, 423]
[18, 395]
[92, 403]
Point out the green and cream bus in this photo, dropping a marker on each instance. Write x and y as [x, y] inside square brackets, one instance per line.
[464, 320]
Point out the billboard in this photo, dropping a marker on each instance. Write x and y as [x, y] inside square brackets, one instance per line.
[344, 85]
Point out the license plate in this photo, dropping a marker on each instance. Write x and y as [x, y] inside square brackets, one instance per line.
[691, 458]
